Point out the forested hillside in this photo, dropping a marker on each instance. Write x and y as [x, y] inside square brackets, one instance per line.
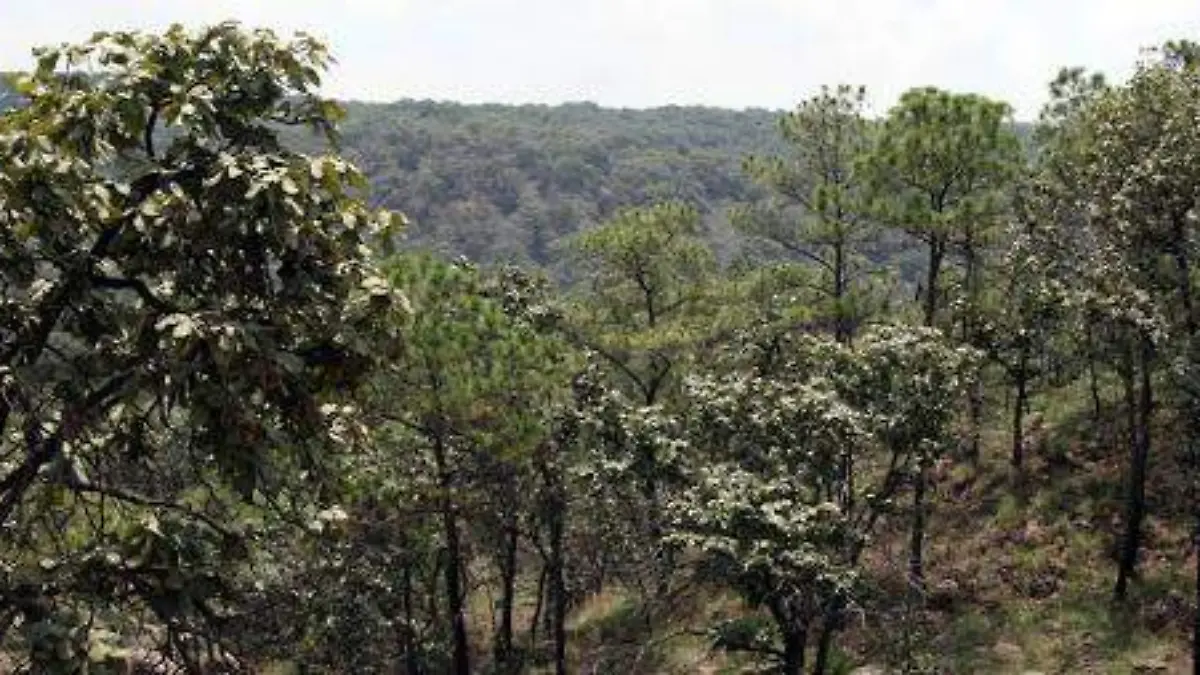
[501, 183]
[512, 184]
[943, 417]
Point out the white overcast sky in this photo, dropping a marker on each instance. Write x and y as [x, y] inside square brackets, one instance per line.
[640, 53]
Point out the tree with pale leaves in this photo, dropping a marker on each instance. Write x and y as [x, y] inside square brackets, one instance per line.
[187, 307]
[1133, 183]
[794, 461]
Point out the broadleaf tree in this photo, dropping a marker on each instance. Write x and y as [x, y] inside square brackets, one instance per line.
[796, 458]
[187, 305]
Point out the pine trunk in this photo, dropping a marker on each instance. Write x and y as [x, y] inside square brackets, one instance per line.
[454, 565]
[503, 648]
[1135, 501]
[1022, 402]
[794, 643]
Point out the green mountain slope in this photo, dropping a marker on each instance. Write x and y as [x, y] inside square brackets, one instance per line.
[495, 182]
[510, 183]
[500, 182]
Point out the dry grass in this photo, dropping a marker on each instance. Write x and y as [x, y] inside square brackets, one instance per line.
[1024, 563]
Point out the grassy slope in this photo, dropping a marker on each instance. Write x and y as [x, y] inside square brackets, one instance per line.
[1032, 562]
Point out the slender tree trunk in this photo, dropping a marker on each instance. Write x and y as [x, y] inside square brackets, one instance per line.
[916, 565]
[1093, 377]
[835, 612]
[1128, 379]
[917, 541]
[1135, 504]
[975, 410]
[1195, 550]
[842, 330]
[454, 596]
[536, 619]
[975, 393]
[1192, 414]
[832, 624]
[794, 634]
[558, 588]
[454, 566]
[969, 285]
[937, 250]
[664, 558]
[794, 643]
[548, 617]
[433, 589]
[412, 663]
[503, 648]
[1018, 428]
[651, 492]
[554, 514]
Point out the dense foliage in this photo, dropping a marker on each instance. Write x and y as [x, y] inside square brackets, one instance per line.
[510, 183]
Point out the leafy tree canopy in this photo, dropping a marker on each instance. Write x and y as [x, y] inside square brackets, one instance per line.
[183, 317]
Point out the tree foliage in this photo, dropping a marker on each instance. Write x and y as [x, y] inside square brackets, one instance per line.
[818, 212]
[182, 324]
[938, 167]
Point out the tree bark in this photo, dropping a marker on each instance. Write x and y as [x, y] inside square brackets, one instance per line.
[1018, 428]
[937, 251]
[536, 619]
[794, 642]
[454, 566]
[1135, 502]
[842, 330]
[975, 393]
[1129, 386]
[558, 586]
[833, 623]
[916, 564]
[503, 648]
[1192, 414]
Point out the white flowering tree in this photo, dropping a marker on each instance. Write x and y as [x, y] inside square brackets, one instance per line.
[797, 457]
[648, 304]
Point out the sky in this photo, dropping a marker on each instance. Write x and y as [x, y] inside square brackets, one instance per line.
[645, 53]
